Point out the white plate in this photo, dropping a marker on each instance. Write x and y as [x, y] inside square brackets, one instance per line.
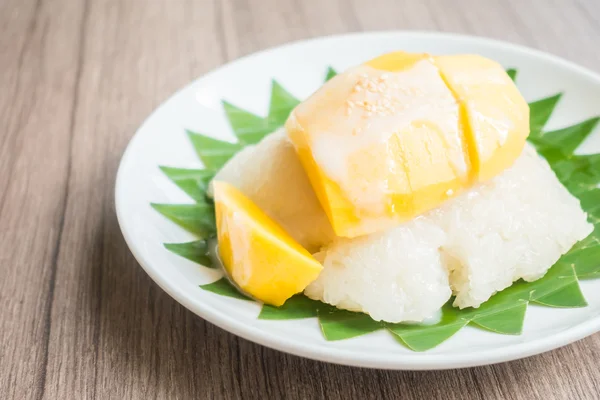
[300, 67]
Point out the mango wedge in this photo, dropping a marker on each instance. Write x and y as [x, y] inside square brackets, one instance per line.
[259, 256]
[390, 139]
[497, 123]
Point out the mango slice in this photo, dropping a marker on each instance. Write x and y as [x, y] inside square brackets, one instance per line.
[259, 256]
[498, 116]
[388, 140]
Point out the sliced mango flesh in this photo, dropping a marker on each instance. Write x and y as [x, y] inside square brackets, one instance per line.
[259, 256]
[388, 140]
[498, 116]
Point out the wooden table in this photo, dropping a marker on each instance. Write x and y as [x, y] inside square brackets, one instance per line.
[78, 317]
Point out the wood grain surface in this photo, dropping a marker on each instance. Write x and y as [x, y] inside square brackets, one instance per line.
[79, 319]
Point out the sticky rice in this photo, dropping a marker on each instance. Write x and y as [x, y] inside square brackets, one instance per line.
[514, 226]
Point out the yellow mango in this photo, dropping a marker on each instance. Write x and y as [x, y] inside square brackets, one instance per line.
[498, 116]
[259, 256]
[390, 139]
[381, 146]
